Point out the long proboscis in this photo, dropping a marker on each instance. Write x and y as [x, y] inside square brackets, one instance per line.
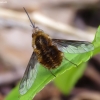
[29, 18]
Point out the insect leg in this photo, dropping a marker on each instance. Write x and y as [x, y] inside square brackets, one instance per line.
[71, 62]
[52, 73]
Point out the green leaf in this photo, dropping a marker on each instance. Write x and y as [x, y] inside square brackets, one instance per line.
[66, 81]
[13, 95]
[44, 76]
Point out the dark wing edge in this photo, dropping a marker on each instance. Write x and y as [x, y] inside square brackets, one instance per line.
[29, 75]
[73, 46]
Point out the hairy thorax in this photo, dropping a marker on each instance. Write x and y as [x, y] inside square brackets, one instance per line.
[47, 53]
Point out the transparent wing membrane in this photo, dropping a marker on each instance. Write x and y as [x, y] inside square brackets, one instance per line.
[71, 46]
[29, 75]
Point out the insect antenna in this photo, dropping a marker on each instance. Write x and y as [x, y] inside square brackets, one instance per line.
[29, 18]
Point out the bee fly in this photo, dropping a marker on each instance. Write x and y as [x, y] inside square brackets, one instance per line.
[49, 53]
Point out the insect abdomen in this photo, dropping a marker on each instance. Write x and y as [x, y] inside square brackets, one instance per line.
[47, 53]
[50, 57]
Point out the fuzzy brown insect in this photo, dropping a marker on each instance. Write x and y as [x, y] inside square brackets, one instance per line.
[49, 53]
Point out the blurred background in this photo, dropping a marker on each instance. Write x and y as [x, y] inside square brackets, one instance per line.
[67, 19]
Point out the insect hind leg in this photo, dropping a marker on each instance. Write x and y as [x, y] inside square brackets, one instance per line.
[70, 61]
[52, 73]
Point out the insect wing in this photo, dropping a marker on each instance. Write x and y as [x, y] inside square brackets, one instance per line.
[29, 75]
[71, 46]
